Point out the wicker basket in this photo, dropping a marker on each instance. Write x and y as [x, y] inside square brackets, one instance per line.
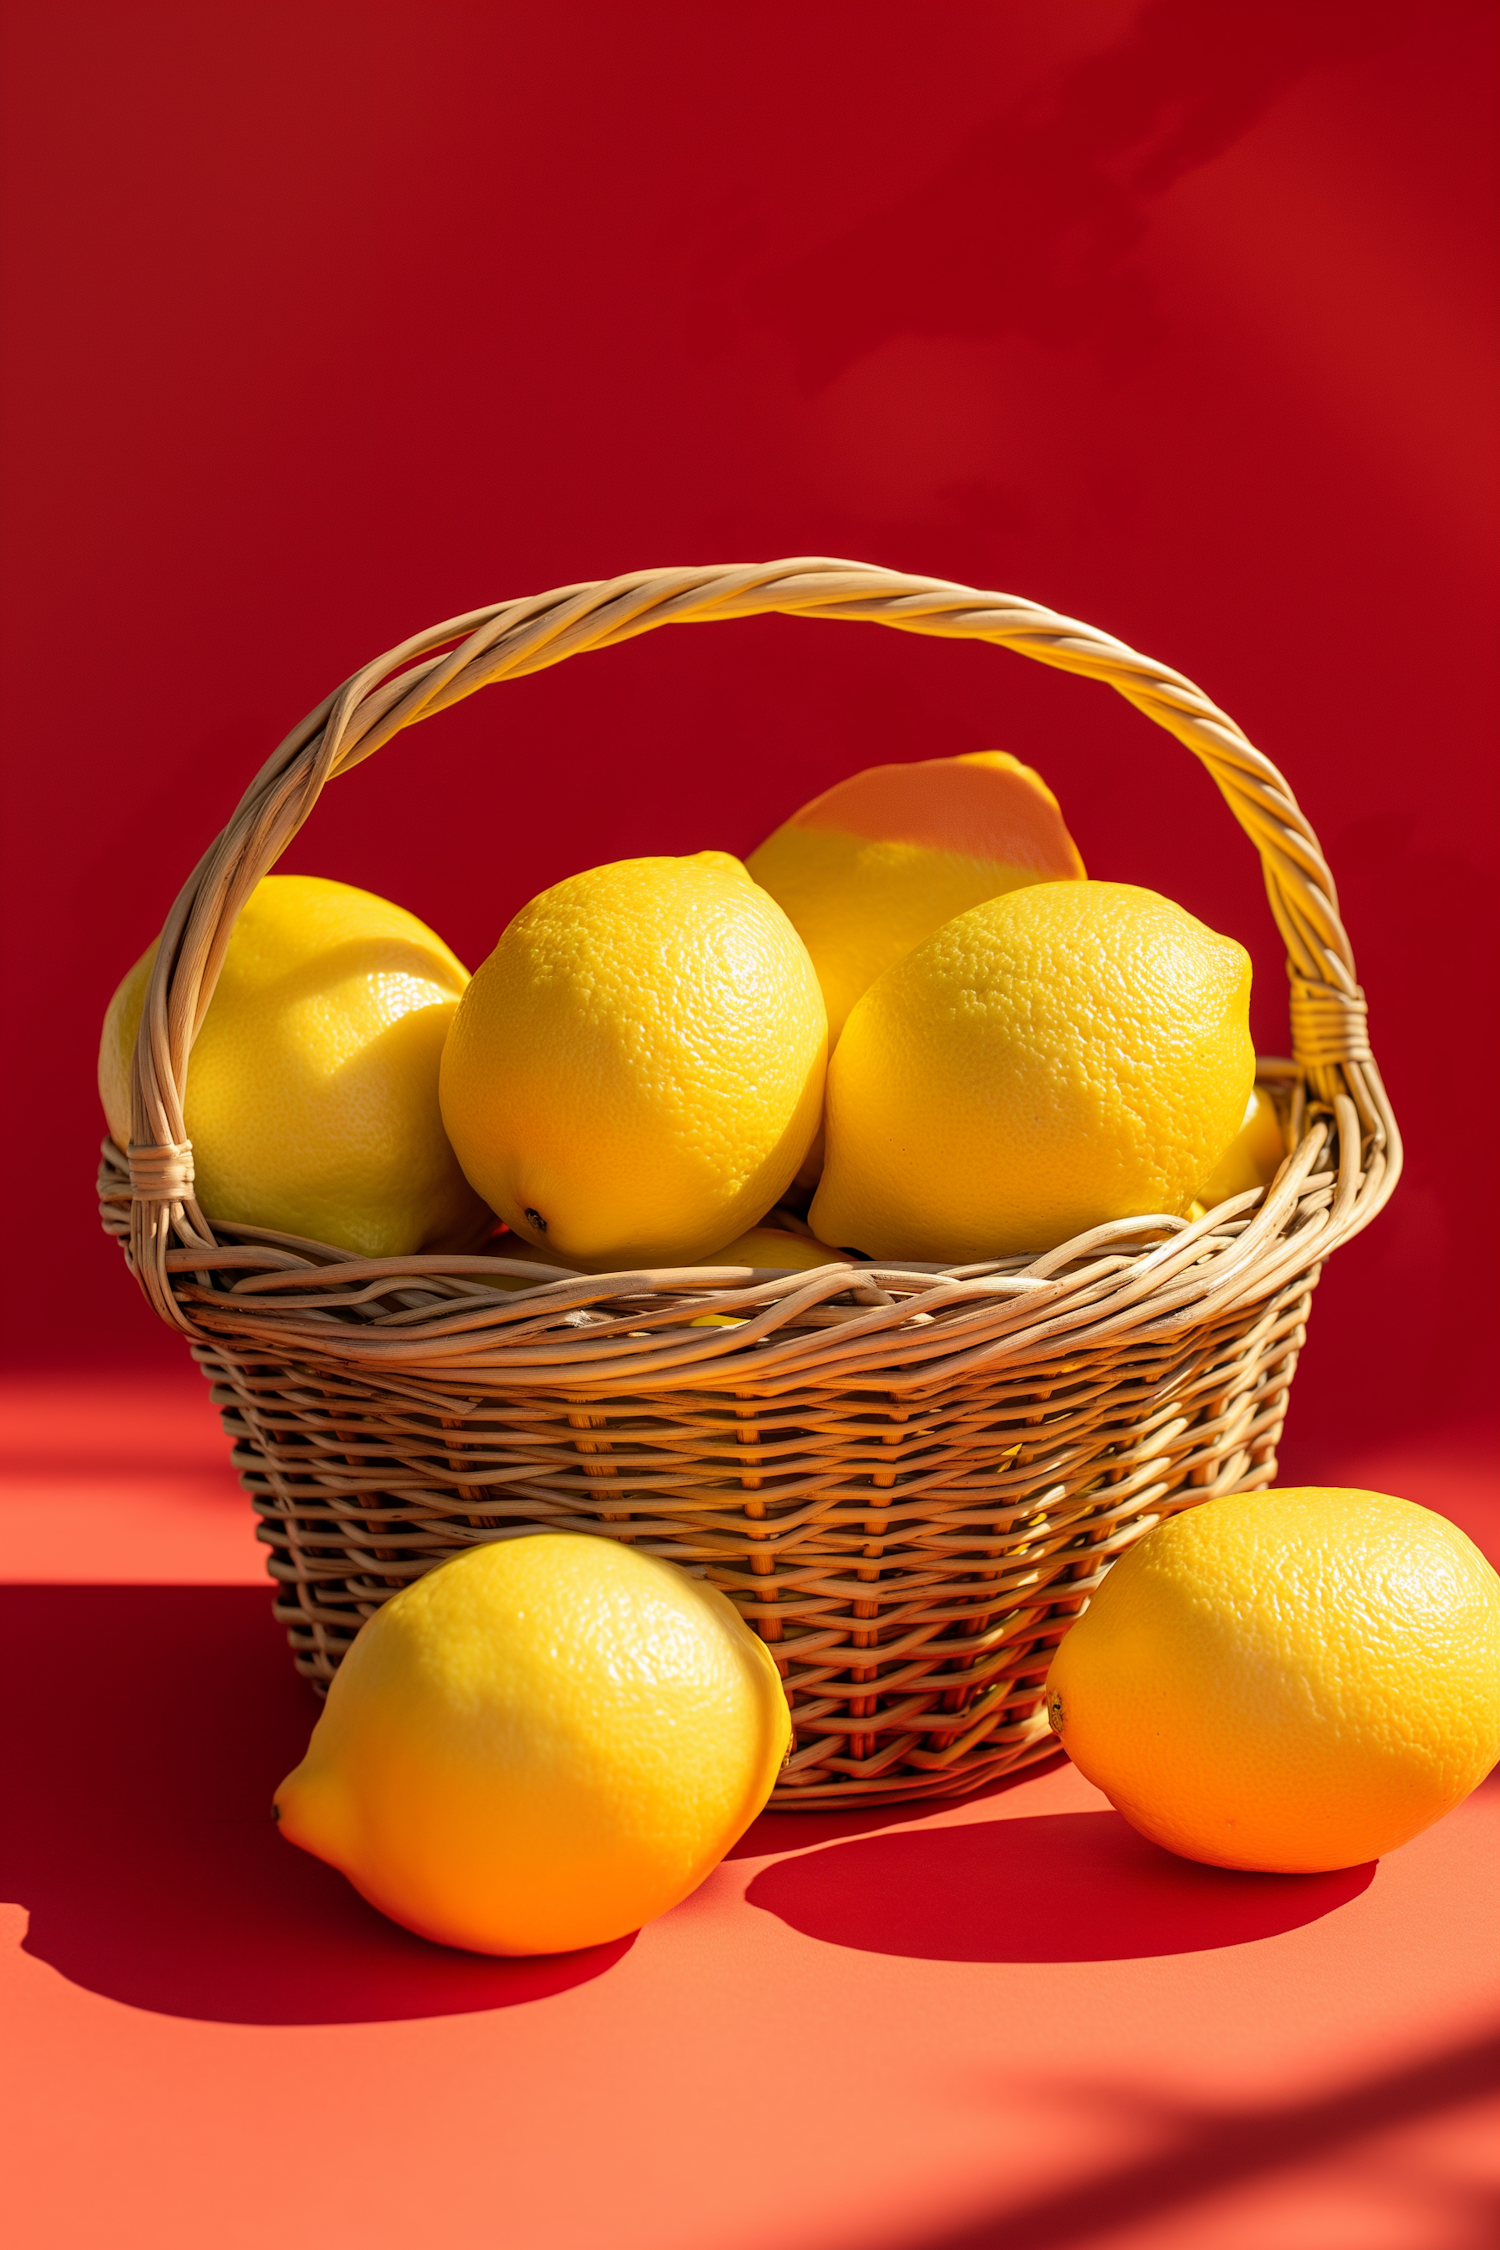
[908, 1478]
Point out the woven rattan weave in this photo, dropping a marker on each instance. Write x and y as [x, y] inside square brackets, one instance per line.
[908, 1478]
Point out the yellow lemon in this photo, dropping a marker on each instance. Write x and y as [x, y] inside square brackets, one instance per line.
[540, 1745]
[1061, 1056]
[636, 1072]
[1289, 1680]
[765, 1245]
[1253, 1157]
[880, 861]
[312, 1095]
[775, 1246]
[770, 1246]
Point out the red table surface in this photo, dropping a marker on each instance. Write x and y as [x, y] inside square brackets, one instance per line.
[324, 322]
[1011, 2022]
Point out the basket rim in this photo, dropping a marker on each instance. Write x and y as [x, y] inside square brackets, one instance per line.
[489, 1326]
[431, 1317]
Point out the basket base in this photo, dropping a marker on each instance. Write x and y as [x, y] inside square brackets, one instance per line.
[964, 1780]
[911, 1560]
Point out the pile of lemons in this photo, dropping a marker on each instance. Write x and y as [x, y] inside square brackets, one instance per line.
[908, 1028]
[909, 1016]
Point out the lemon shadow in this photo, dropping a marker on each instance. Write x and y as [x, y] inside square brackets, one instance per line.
[1077, 1886]
[150, 1726]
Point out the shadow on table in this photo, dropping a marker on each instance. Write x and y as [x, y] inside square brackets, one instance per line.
[149, 1727]
[1077, 1886]
[796, 1831]
[1210, 2155]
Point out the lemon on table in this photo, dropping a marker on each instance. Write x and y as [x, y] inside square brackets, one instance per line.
[541, 1745]
[1289, 1680]
[312, 1093]
[881, 860]
[636, 1072]
[1061, 1056]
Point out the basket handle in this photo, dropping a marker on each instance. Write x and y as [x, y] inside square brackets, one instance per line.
[440, 667]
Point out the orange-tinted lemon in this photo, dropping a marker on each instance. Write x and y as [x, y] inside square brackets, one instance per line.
[880, 861]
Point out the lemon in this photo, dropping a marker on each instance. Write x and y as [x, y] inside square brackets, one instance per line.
[1253, 1157]
[1289, 1680]
[775, 1246]
[1064, 1055]
[541, 1745]
[312, 1094]
[881, 860]
[636, 1072]
[769, 1247]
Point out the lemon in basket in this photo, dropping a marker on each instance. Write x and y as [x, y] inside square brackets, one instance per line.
[1064, 1055]
[775, 1246]
[1253, 1157]
[1288, 1680]
[541, 1745]
[312, 1093]
[881, 860]
[636, 1072]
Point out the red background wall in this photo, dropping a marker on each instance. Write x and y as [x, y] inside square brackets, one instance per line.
[329, 321]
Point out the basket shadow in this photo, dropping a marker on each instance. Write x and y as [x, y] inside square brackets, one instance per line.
[1078, 1886]
[791, 1829]
[150, 1726]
